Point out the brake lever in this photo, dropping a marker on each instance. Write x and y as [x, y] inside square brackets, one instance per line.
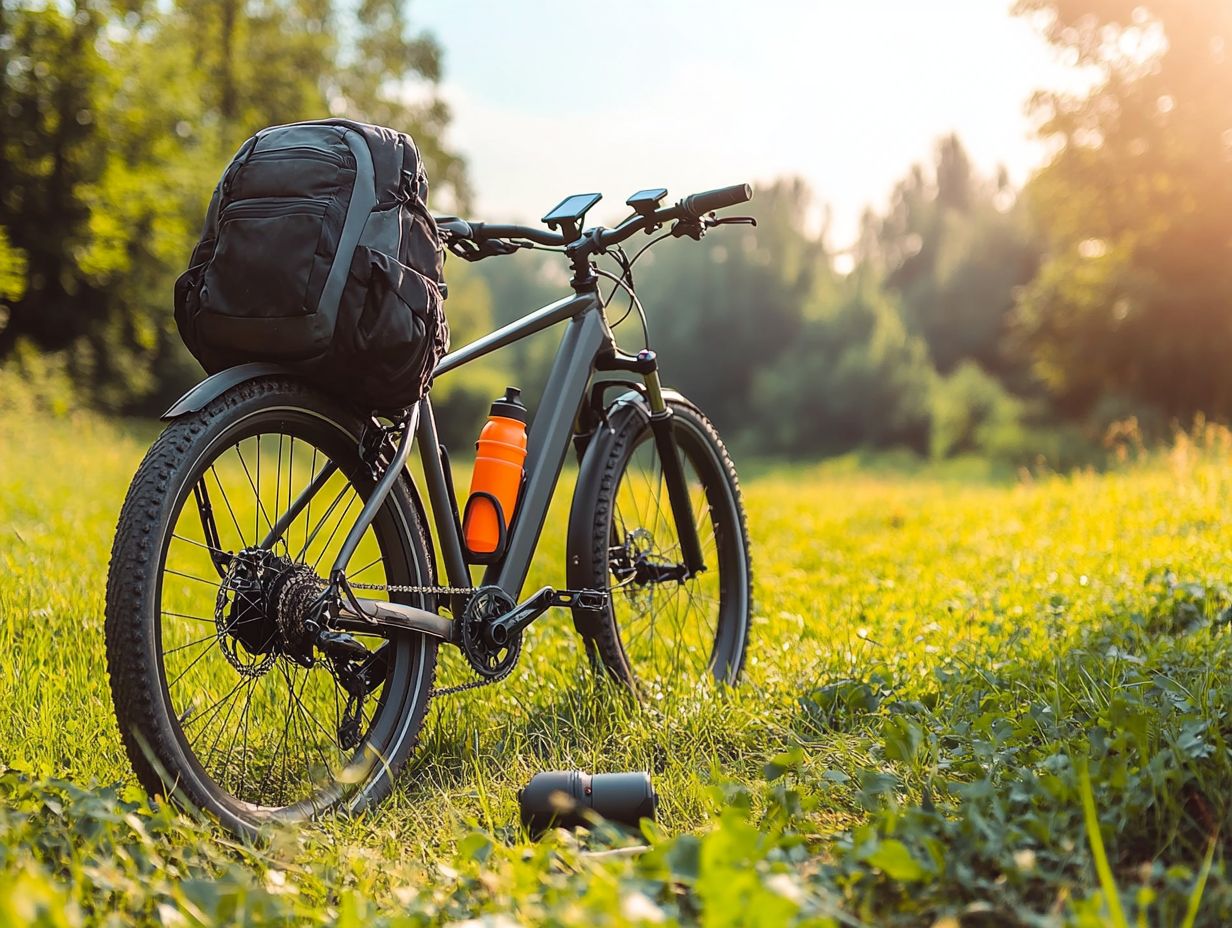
[470, 250]
[696, 228]
[712, 220]
[692, 228]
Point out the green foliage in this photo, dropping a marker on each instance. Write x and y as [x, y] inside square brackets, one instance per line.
[955, 247]
[852, 376]
[12, 271]
[1136, 205]
[461, 401]
[972, 413]
[115, 121]
[933, 663]
[729, 309]
[36, 383]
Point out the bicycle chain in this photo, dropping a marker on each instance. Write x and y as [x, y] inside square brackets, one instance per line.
[434, 591]
[406, 588]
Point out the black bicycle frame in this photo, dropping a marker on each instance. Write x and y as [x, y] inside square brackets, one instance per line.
[587, 345]
[547, 442]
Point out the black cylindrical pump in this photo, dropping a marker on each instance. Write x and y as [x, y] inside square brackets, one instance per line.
[574, 798]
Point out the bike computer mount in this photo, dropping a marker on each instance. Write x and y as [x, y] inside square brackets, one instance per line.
[645, 202]
[568, 214]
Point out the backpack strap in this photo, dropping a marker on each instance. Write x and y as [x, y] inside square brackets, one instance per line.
[363, 199]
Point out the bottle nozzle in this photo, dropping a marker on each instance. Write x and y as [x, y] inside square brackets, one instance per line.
[510, 405]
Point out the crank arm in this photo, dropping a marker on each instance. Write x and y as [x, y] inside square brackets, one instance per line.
[380, 615]
[508, 626]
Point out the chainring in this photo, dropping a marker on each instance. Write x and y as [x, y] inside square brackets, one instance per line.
[489, 661]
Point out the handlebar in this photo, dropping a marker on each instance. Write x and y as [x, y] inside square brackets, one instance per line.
[690, 208]
[486, 231]
[698, 204]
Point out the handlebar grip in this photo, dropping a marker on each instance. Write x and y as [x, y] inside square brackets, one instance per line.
[454, 225]
[698, 204]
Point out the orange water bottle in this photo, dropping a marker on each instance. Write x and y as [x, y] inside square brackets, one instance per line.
[497, 478]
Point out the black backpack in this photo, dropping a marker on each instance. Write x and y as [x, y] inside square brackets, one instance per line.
[319, 252]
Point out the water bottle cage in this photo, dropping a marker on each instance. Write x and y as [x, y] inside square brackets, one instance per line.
[487, 557]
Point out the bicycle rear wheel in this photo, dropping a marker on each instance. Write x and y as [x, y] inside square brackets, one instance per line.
[658, 632]
[222, 700]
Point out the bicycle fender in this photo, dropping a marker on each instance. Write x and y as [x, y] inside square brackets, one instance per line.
[216, 385]
[591, 471]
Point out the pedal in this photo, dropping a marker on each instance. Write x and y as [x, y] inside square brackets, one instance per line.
[590, 600]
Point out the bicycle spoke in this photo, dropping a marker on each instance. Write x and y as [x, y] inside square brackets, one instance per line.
[255, 492]
[199, 544]
[244, 721]
[262, 727]
[313, 537]
[181, 647]
[377, 560]
[308, 513]
[337, 525]
[667, 627]
[180, 675]
[180, 573]
[278, 480]
[181, 615]
[227, 502]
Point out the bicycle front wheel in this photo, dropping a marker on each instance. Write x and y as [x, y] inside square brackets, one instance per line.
[659, 632]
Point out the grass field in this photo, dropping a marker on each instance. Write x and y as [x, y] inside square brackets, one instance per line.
[968, 702]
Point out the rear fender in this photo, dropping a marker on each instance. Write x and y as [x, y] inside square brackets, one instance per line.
[216, 385]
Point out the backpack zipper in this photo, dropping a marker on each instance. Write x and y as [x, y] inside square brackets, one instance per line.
[272, 207]
[305, 153]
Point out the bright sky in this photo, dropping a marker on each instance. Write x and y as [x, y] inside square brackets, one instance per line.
[552, 97]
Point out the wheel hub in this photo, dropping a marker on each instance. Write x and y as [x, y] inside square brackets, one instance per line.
[264, 604]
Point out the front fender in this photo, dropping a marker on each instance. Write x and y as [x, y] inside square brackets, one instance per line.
[216, 385]
[591, 473]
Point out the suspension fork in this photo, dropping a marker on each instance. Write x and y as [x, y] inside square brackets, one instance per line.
[646, 363]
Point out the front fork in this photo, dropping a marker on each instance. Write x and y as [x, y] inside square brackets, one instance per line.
[646, 363]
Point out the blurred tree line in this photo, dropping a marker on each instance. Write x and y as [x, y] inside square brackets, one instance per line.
[970, 317]
[116, 119]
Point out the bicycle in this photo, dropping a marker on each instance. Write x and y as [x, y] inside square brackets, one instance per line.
[249, 685]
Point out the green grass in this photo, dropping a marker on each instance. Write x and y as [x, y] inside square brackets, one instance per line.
[956, 682]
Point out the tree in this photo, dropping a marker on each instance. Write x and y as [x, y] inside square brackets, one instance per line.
[722, 311]
[116, 120]
[1134, 296]
[852, 377]
[955, 248]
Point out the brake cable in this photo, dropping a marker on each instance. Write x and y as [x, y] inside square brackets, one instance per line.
[620, 282]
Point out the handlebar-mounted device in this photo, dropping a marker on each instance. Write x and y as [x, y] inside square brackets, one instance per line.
[569, 213]
[691, 216]
[645, 202]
